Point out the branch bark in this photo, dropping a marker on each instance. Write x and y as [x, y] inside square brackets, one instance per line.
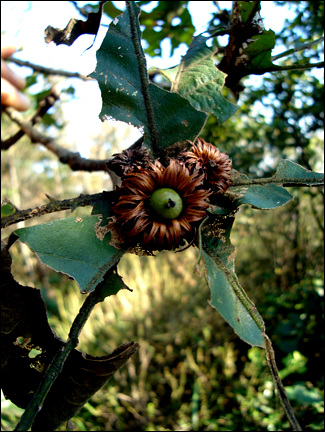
[73, 159]
[275, 68]
[43, 107]
[48, 71]
[270, 358]
[142, 64]
[300, 47]
[51, 207]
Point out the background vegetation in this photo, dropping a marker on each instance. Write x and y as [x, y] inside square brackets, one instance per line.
[192, 372]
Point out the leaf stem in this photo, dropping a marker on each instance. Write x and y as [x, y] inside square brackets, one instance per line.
[136, 38]
[300, 47]
[270, 358]
[59, 359]
[200, 239]
[273, 180]
[275, 68]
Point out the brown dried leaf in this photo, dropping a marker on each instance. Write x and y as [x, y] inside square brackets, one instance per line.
[75, 28]
[28, 345]
[24, 328]
[82, 376]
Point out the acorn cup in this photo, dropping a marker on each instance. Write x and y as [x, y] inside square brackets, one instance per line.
[160, 207]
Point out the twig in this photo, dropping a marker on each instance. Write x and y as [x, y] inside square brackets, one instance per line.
[48, 71]
[223, 31]
[59, 359]
[300, 47]
[200, 246]
[270, 358]
[275, 68]
[81, 10]
[274, 180]
[51, 207]
[44, 105]
[73, 159]
[144, 79]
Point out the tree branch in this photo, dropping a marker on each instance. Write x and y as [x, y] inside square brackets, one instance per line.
[144, 78]
[49, 71]
[284, 68]
[300, 47]
[51, 207]
[73, 159]
[297, 182]
[270, 358]
[43, 107]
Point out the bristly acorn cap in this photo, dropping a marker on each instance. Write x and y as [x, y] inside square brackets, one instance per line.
[208, 159]
[130, 160]
[138, 219]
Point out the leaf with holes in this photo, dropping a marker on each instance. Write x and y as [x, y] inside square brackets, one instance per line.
[198, 80]
[120, 73]
[227, 295]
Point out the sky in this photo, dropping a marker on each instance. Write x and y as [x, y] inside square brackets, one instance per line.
[24, 22]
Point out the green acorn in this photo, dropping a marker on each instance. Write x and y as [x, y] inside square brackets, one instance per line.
[166, 203]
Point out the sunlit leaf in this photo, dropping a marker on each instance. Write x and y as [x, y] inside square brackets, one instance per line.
[198, 80]
[258, 50]
[7, 209]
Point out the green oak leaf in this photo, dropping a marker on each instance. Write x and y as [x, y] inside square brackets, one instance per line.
[269, 193]
[227, 295]
[71, 246]
[245, 9]
[119, 72]
[264, 197]
[197, 79]
[291, 173]
[258, 50]
[7, 209]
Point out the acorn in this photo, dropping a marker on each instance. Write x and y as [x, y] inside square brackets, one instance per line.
[166, 203]
[160, 208]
